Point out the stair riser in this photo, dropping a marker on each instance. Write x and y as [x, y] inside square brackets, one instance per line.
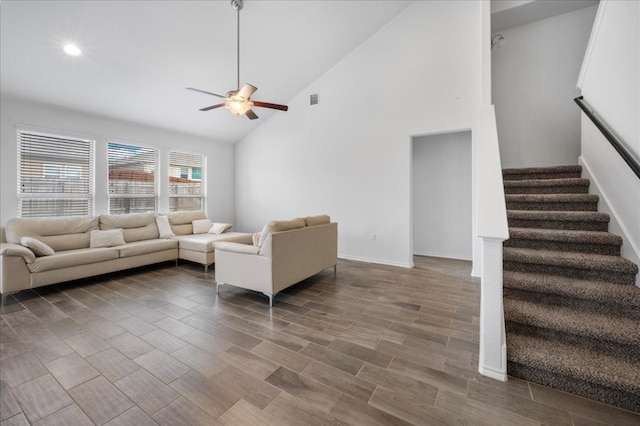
[615, 397]
[553, 206]
[564, 271]
[608, 249]
[602, 291]
[533, 176]
[547, 190]
[553, 224]
[629, 352]
[595, 306]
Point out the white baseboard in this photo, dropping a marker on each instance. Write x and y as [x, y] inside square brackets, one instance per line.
[377, 261]
[489, 372]
[440, 256]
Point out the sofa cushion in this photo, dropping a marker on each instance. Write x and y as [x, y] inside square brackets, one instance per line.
[149, 246]
[205, 243]
[136, 226]
[69, 258]
[36, 246]
[322, 219]
[278, 226]
[163, 226]
[60, 233]
[181, 222]
[106, 238]
[201, 226]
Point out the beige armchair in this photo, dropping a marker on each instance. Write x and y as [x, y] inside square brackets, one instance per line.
[286, 253]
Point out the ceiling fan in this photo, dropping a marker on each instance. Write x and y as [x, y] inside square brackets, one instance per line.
[239, 101]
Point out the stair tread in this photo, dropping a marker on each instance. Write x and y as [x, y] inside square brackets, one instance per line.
[558, 215]
[604, 291]
[575, 361]
[566, 236]
[588, 261]
[552, 198]
[542, 170]
[546, 182]
[574, 321]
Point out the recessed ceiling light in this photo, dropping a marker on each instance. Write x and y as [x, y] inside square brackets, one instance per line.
[72, 49]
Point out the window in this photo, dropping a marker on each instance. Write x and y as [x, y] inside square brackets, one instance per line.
[52, 170]
[44, 188]
[132, 178]
[196, 173]
[186, 184]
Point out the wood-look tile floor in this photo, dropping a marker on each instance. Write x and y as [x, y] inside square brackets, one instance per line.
[370, 345]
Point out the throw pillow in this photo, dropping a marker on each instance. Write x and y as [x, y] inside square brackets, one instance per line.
[163, 226]
[256, 238]
[36, 246]
[219, 228]
[201, 226]
[106, 238]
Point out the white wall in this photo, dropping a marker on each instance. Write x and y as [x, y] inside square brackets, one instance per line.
[14, 113]
[349, 156]
[610, 82]
[442, 195]
[534, 83]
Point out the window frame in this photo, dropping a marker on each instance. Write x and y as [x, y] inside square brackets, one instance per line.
[155, 195]
[32, 143]
[203, 181]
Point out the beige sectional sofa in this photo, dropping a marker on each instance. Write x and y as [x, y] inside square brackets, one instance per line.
[79, 249]
[284, 253]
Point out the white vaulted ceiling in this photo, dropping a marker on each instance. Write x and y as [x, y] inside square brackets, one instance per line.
[138, 56]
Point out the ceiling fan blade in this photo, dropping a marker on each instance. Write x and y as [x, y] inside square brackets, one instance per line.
[212, 107]
[270, 105]
[247, 90]
[204, 91]
[252, 115]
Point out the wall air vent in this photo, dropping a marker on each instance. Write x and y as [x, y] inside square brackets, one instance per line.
[313, 99]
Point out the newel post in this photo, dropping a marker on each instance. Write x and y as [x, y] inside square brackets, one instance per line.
[493, 348]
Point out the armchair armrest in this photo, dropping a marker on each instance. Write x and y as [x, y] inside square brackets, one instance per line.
[237, 248]
[8, 249]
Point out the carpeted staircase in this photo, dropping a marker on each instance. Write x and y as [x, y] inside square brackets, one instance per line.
[571, 306]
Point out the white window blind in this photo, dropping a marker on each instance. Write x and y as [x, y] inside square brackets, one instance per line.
[186, 181]
[132, 178]
[55, 175]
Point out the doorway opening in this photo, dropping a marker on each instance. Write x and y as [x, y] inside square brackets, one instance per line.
[441, 195]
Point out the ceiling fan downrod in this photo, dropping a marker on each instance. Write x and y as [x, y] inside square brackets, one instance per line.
[237, 6]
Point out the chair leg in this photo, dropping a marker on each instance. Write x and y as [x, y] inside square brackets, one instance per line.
[270, 296]
[206, 268]
[4, 298]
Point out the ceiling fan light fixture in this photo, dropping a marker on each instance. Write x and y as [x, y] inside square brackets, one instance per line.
[237, 105]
